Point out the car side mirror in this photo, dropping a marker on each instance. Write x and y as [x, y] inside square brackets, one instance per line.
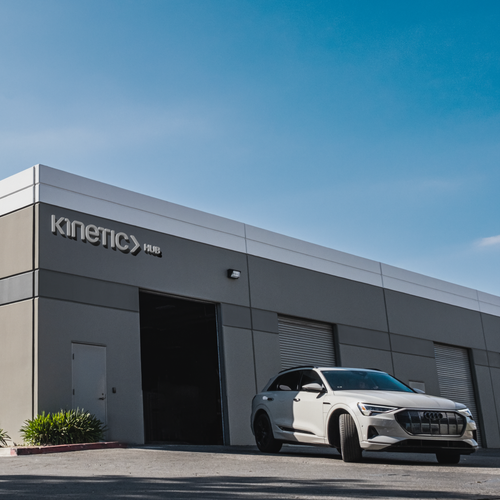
[313, 387]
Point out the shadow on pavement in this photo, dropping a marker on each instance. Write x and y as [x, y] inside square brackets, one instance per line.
[483, 458]
[208, 487]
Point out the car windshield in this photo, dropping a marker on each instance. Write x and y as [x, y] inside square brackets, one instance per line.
[358, 380]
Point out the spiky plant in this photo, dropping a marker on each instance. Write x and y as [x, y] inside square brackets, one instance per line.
[3, 438]
[63, 427]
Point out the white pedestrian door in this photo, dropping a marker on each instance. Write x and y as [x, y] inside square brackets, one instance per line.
[89, 379]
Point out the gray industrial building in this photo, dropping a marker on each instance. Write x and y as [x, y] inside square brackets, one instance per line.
[132, 307]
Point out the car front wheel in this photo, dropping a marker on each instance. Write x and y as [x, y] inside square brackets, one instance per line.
[448, 457]
[264, 435]
[349, 441]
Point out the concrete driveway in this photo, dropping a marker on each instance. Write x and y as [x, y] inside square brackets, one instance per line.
[216, 472]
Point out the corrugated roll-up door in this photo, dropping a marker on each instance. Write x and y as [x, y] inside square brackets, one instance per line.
[455, 379]
[305, 343]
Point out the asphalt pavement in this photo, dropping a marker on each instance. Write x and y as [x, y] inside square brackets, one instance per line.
[217, 472]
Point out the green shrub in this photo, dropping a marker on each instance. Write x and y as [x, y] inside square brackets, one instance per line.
[3, 437]
[64, 427]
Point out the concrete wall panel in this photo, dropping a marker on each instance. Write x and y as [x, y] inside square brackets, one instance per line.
[418, 369]
[265, 321]
[87, 291]
[491, 424]
[267, 357]
[59, 324]
[491, 325]
[16, 288]
[494, 405]
[236, 316]
[363, 338]
[16, 341]
[17, 182]
[494, 359]
[240, 383]
[16, 243]
[423, 318]
[298, 292]
[362, 357]
[480, 357]
[412, 345]
[16, 201]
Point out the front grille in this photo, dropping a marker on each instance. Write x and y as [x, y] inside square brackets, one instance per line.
[431, 422]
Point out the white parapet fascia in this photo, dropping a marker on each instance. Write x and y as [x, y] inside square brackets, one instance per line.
[56, 187]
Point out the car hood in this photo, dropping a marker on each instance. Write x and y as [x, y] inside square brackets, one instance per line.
[399, 399]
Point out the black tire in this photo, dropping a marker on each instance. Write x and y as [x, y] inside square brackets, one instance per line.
[448, 457]
[264, 435]
[349, 441]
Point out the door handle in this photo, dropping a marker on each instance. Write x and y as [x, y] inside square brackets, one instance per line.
[296, 399]
[102, 397]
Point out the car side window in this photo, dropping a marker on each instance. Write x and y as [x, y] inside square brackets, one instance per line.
[286, 382]
[309, 377]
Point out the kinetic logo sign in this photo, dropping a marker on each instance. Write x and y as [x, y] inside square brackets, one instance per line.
[95, 235]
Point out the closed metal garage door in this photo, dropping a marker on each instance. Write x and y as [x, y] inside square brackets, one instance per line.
[305, 343]
[455, 379]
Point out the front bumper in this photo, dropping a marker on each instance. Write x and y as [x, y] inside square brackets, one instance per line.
[382, 432]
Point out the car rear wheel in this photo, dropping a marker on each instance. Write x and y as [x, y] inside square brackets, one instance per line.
[349, 441]
[264, 435]
[448, 457]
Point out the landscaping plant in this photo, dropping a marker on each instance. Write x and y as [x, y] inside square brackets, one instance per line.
[3, 437]
[63, 427]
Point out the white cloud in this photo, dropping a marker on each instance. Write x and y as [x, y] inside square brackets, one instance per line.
[490, 241]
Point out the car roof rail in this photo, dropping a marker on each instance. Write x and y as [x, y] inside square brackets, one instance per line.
[297, 367]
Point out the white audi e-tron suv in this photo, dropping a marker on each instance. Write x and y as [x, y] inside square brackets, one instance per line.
[355, 409]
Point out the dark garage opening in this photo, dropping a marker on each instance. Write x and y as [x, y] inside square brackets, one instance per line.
[180, 370]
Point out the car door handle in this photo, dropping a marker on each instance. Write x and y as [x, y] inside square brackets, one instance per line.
[296, 399]
[102, 397]
[265, 398]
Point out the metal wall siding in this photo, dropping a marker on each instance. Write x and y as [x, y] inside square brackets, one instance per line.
[455, 379]
[305, 343]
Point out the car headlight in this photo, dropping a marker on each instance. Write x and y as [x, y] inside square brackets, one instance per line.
[466, 412]
[463, 410]
[368, 409]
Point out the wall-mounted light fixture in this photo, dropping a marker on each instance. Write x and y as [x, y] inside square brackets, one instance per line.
[233, 274]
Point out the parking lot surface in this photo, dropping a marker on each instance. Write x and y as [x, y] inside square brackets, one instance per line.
[217, 472]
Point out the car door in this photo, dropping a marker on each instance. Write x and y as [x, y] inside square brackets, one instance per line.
[309, 410]
[284, 390]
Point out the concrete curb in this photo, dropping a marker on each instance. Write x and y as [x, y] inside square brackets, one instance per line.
[61, 448]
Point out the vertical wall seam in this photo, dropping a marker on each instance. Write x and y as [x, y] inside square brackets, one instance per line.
[387, 319]
[489, 372]
[226, 435]
[33, 322]
[251, 313]
[245, 233]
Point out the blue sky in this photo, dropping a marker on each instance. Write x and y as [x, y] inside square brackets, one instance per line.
[369, 127]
